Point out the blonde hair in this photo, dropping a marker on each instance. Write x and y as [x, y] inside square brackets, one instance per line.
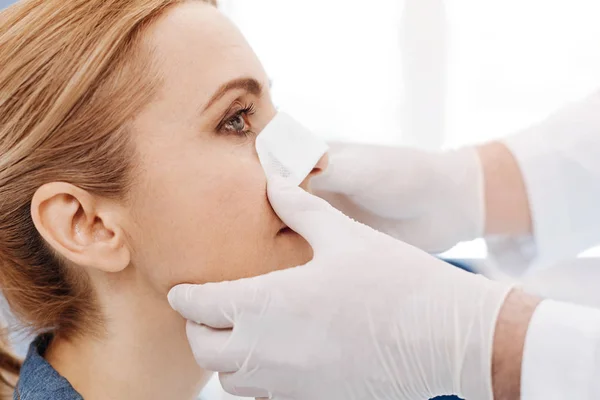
[72, 74]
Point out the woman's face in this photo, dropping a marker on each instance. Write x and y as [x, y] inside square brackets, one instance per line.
[199, 211]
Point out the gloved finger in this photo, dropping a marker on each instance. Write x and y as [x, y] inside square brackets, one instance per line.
[418, 233]
[347, 206]
[195, 303]
[210, 348]
[240, 384]
[217, 304]
[310, 216]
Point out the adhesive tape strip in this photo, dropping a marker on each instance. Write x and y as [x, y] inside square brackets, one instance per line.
[287, 149]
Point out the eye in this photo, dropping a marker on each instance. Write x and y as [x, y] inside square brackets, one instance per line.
[239, 123]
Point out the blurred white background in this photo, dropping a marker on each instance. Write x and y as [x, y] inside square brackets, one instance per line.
[470, 70]
[427, 73]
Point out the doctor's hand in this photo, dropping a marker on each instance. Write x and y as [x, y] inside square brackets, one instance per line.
[368, 318]
[432, 200]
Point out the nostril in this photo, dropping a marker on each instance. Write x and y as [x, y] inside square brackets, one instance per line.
[318, 169]
[321, 165]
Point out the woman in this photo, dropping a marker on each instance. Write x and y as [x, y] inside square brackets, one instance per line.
[127, 166]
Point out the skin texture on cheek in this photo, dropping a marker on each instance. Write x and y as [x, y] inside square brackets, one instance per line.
[246, 240]
[213, 222]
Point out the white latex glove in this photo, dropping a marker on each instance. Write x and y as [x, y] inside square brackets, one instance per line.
[369, 318]
[432, 200]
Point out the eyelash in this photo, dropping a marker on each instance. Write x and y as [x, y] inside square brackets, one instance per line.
[245, 112]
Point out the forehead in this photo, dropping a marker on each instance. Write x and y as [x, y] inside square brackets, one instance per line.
[197, 49]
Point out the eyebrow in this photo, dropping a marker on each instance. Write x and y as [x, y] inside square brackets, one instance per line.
[250, 85]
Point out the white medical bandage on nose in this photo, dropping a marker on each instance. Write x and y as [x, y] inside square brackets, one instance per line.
[287, 149]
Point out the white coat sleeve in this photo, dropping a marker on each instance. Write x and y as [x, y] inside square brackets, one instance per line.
[560, 162]
[561, 358]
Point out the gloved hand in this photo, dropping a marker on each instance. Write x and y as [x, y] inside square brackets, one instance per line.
[432, 200]
[368, 318]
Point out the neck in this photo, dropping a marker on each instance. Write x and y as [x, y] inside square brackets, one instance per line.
[143, 355]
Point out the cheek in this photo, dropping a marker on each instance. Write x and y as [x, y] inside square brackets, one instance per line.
[211, 225]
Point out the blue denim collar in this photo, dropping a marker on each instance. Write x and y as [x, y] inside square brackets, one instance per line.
[38, 380]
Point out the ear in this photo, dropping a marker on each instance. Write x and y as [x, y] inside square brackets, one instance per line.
[83, 228]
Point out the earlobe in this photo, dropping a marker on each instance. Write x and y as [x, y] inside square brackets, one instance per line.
[81, 227]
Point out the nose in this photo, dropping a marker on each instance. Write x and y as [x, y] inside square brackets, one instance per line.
[318, 169]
